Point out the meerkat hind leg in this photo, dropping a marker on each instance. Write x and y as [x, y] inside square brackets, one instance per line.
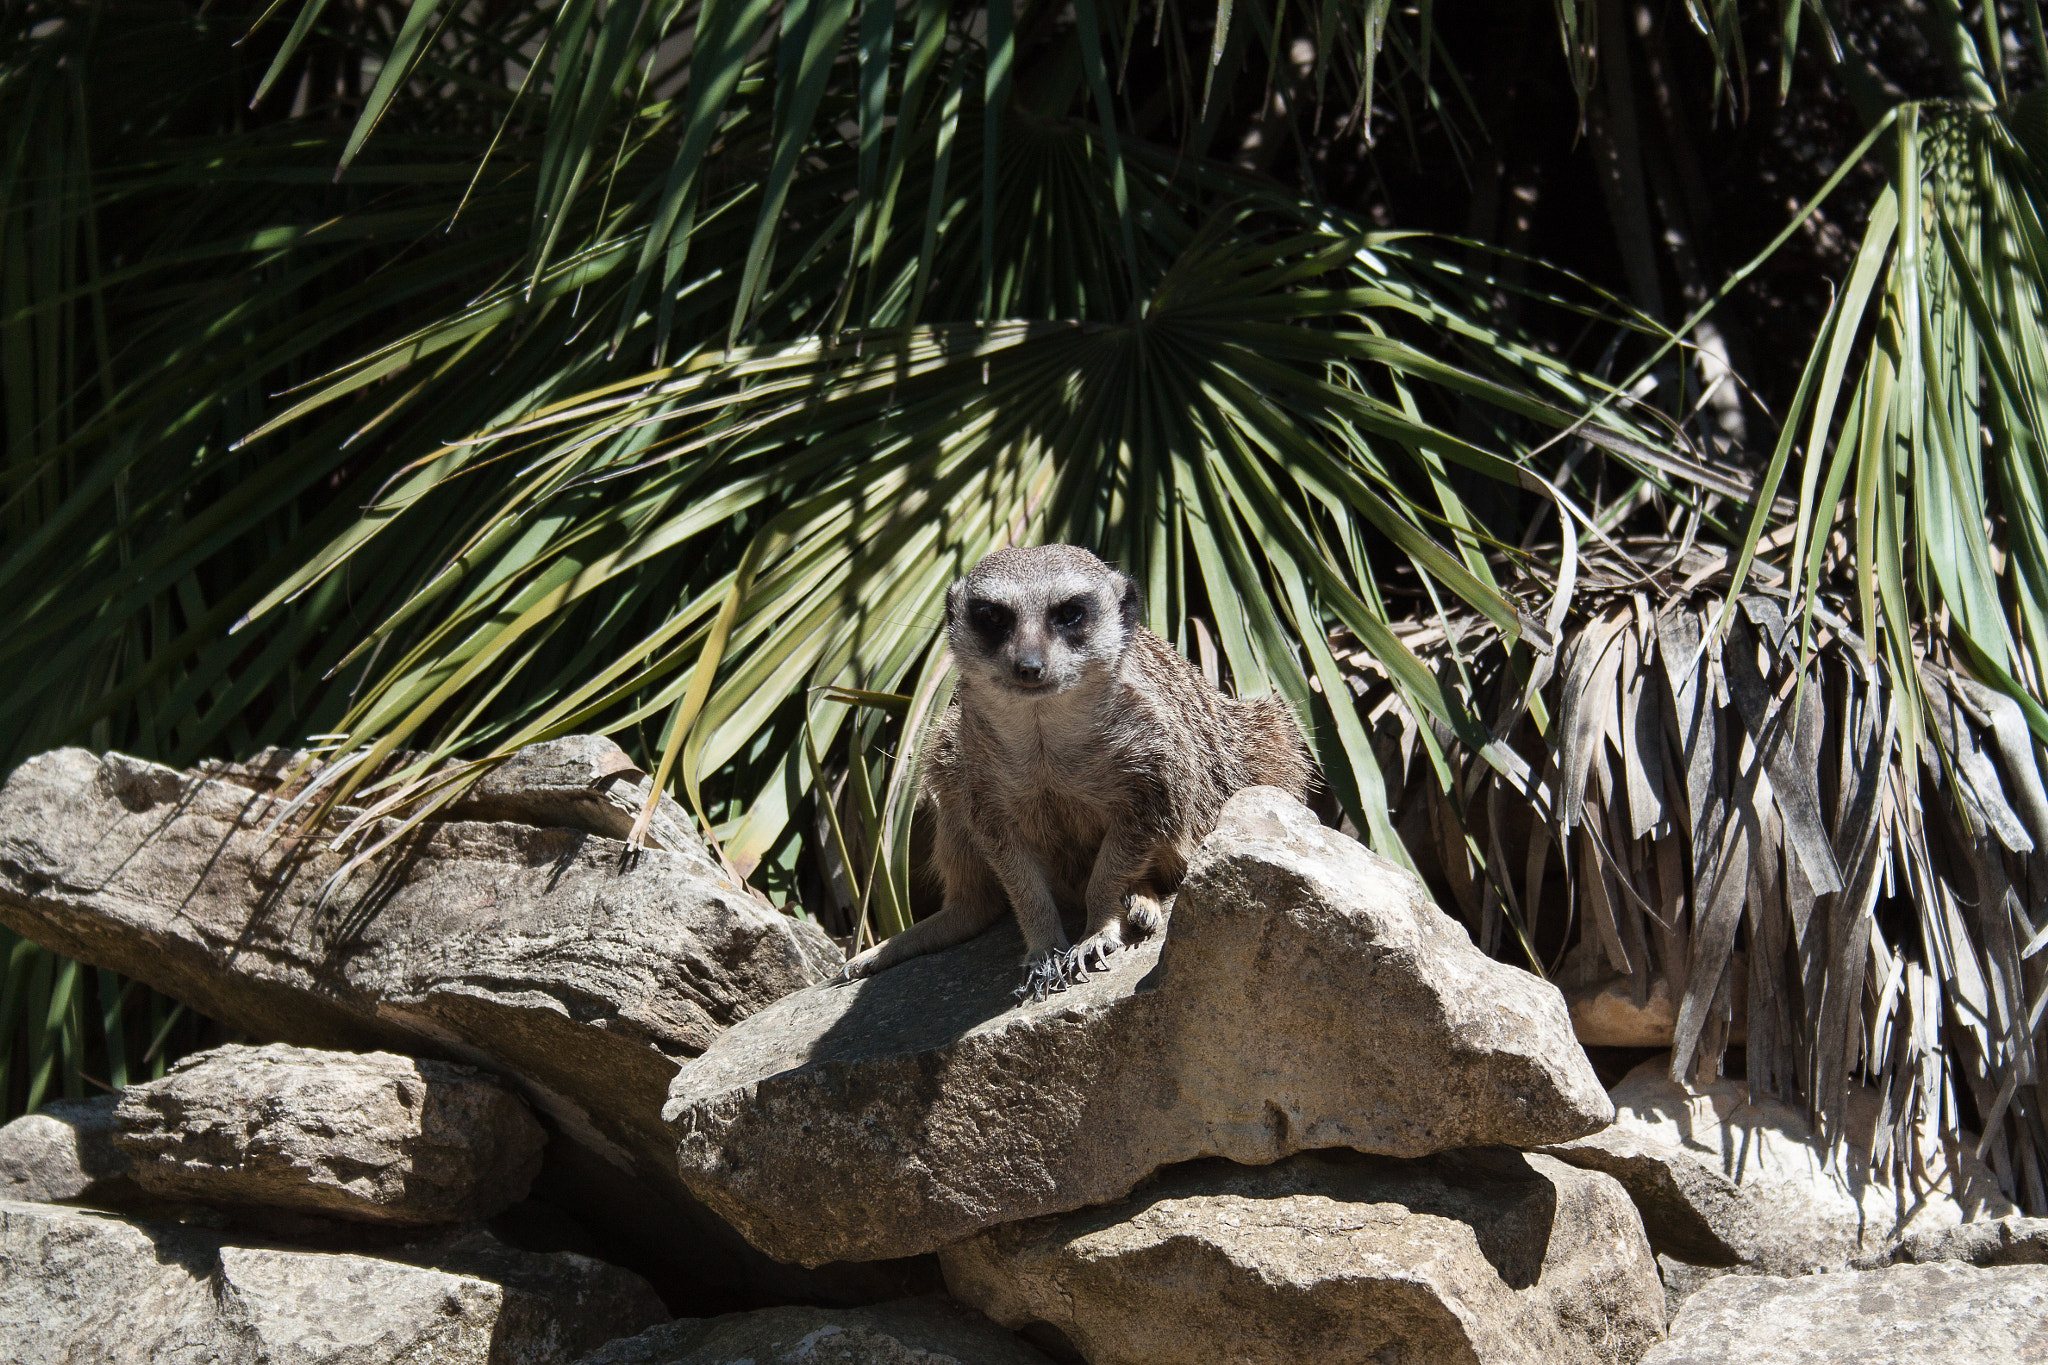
[974, 901]
[956, 923]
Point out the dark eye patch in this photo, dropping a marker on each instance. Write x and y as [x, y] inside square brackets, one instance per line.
[990, 620]
[1070, 613]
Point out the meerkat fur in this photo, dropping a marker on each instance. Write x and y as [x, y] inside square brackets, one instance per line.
[1080, 763]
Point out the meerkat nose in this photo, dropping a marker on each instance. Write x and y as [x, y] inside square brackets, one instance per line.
[1030, 670]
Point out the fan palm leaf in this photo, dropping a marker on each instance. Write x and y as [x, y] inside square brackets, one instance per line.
[1253, 426]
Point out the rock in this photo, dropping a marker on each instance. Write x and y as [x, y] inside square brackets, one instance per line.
[544, 954]
[77, 1285]
[2000, 1241]
[64, 1152]
[561, 1300]
[1682, 1279]
[931, 1331]
[368, 1136]
[1483, 1255]
[1606, 1013]
[1723, 1182]
[581, 782]
[1691, 1210]
[577, 782]
[1905, 1315]
[1308, 994]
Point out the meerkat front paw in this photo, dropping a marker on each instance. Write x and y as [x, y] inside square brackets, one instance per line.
[1092, 954]
[1044, 974]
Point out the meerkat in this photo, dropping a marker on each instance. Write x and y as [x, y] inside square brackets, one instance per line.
[1081, 761]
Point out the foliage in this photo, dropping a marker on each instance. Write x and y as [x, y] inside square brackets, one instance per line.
[1846, 815]
[421, 380]
[1229, 397]
[68, 1026]
[1744, 825]
[1923, 497]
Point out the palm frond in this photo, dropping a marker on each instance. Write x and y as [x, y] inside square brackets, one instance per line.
[1745, 816]
[1257, 424]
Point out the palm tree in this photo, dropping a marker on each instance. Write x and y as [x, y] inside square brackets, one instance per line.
[419, 381]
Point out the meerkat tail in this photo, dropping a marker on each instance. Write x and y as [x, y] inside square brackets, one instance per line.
[1274, 752]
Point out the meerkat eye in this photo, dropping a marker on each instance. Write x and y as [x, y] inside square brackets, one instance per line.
[989, 619]
[1070, 612]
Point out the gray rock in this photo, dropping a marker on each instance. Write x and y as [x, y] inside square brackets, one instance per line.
[1482, 1256]
[540, 953]
[1723, 1182]
[2000, 1241]
[1682, 1279]
[79, 1286]
[368, 1136]
[1905, 1315]
[1308, 994]
[581, 782]
[1692, 1210]
[64, 1152]
[930, 1331]
[578, 782]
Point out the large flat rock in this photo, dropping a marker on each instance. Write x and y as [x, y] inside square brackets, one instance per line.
[1905, 1315]
[926, 1331]
[1722, 1181]
[541, 952]
[369, 1136]
[1479, 1256]
[1307, 994]
[79, 1286]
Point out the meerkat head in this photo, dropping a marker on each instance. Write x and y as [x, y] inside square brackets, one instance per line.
[1039, 621]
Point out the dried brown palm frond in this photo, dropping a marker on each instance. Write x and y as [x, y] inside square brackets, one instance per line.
[1741, 812]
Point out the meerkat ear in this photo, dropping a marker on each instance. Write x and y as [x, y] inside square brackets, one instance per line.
[953, 594]
[1128, 604]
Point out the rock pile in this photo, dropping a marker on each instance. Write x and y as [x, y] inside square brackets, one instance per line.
[1723, 1182]
[1311, 1122]
[79, 1285]
[244, 1154]
[1143, 1166]
[1308, 995]
[523, 942]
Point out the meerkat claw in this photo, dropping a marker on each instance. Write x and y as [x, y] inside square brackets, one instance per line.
[1092, 956]
[1043, 976]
